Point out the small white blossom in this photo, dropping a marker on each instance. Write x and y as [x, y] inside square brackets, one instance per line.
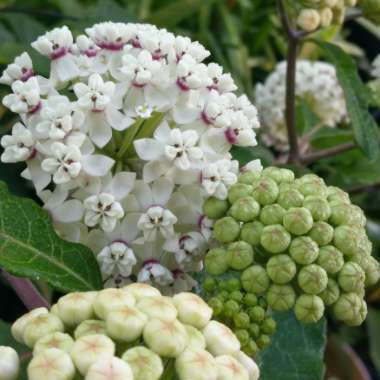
[153, 272]
[21, 69]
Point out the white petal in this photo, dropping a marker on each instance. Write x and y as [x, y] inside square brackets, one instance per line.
[149, 149]
[154, 170]
[100, 131]
[40, 178]
[162, 190]
[121, 185]
[69, 212]
[97, 165]
[118, 120]
[129, 227]
[143, 193]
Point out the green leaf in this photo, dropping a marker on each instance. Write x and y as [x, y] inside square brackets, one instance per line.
[110, 10]
[306, 118]
[357, 99]
[373, 327]
[245, 155]
[29, 247]
[328, 137]
[296, 351]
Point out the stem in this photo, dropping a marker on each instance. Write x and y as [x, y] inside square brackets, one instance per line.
[316, 156]
[129, 136]
[26, 291]
[364, 188]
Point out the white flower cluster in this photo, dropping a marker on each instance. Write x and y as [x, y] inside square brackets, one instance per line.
[124, 141]
[316, 84]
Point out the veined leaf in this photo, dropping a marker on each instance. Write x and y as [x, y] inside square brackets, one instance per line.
[357, 99]
[29, 247]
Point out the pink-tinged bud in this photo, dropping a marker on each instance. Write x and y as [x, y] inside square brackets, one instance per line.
[110, 369]
[109, 300]
[9, 363]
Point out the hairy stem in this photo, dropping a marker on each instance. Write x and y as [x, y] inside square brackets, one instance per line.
[329, 152]
[26, 291]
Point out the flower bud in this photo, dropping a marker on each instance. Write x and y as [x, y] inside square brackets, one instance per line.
[126, 324]
[322, 233]
[239, 190]
[165, 338]
[220, 340]
[272, 214]
[245, 209]
[351, 278]
[309, 308]
[303, 250]
[9, 363]
[331, 294]
[89, 349]
[18, 327]
[111, 299]
[226, 230]
[90, 327]
[192, 310]
[281, 269]
[239, 255]
[265, 191]
[337, 194]
[229, 368]
[195, 338]
[290, 198]
[158, 307]
[215, 208]
[298, 220]
[278, 175]
[40, 326]
[251, 232]
[347, 214]
[318, 207]
[63, 342]
[281, 297]
[74, 308]
[347, 240]
[312, 279]
[372, 272]
[311, 184]
[140, 290]
[51, 364]
[110, 368]
[216, 261]
[269, 326]
[249, 177]
[256, 314]
[145, 364]
[348, 307]
[275, 239]
[196, 364]
[359, 317]
[249, 364]
[255, 279]
[330, 259]
[327, 16]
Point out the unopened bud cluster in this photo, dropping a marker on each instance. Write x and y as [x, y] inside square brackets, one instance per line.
[131, 333]
[297, 242]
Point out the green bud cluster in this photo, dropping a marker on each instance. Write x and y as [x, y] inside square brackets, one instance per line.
[297, 243]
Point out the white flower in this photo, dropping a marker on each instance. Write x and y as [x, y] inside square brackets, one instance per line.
[9, 363]
[19, 146]
[21, 69]
[220, 82]
[183, 46]
[153, 272]
[190, 74]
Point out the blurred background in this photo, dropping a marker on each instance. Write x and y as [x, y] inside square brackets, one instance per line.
[245, 37]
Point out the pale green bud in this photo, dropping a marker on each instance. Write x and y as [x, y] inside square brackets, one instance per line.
[308, 20]
[165, 338]
[158, 307]
[110, 368]
[273, 173]
[372, 272]
[348, 307]
[249, 177]
[265, 191]
[90, 327]
[311, 184]
[18, 327]
[360, 317]
[229, 368]
[249, 364]
[312, 279]
[192, 310]
[272, 214]
[216, 261]
[74, 308]
[318, 206]
[126, 324]
[281, 297]
[290, 198]
[330, 259]
[331, 294]
[298, 220]
[245, 209]
[51, 364]
[303, 250]
[145, 364]
[239, 190]
[309, 308]
[327, 16]
[63, 342]
[351, 278]
[40, 326]
[140, 290]
[251, 232]
[9, 363]
[196, 364]
[347, 240]
[215, 208]
[347, 214]
[195, 338]
[226, 230]
[322, 233]
[111, 299]
[239, 255]
[336, 194]
[275, 239]
[255, 279]
[89, 349]
[220, 340]
[281, 269]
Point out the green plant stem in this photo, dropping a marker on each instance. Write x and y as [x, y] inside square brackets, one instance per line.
[129, 137]
[169, 371]
[329, 152]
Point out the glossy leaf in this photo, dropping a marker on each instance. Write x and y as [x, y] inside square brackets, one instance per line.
[29, 247]
[373, 326]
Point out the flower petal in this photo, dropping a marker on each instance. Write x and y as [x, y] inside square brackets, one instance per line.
[149, 149]
[162, 190]
[69, 212]
[97, 165]
[121, 185]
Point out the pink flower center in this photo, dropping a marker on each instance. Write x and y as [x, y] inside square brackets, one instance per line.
[181, 83]
[59, 53]
[26, 74]
[112, 46]
[230, 135]
[35, 108]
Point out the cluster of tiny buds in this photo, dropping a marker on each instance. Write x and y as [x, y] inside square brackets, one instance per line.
[133, 333]
[130, 129]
